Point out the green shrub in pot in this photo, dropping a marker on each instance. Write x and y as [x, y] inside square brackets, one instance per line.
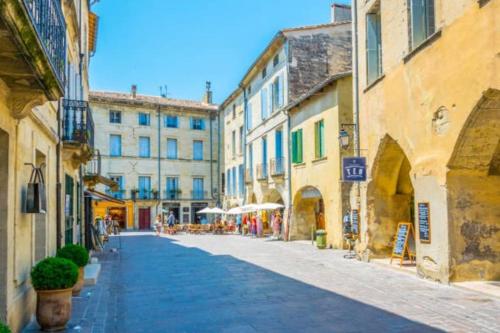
[54, 273]
[76, 253]
[4, 328]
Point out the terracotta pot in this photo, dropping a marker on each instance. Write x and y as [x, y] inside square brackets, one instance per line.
[53, 309]
[79, 283]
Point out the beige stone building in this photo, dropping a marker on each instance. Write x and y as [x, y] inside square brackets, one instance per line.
[162, 152]
[429, 112]
[320, 198]
[43, 66]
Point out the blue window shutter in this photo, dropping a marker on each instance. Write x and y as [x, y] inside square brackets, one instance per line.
[191, 125]
[281, 90]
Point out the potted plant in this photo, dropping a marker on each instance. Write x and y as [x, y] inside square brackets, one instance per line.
[133, 193]
[53, 280]
[4, 328]
[80, 257]
[155, 193]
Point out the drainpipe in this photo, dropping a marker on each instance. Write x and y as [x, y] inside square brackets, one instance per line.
[58, 178]
[356, 80]
[219, 204]
[289, 163]
[158, 111]
[245, 112]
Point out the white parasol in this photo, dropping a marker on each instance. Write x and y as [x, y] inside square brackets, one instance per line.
[234, 211]
[217, 210]
[269, 206]
[205, 210]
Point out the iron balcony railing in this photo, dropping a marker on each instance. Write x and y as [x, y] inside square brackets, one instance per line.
[93, 167]
[78, 125]
[120, 194]
[48, 20]
[277, 167]
[199, 195]
[261, 172]
[248, 176]
[174, 194]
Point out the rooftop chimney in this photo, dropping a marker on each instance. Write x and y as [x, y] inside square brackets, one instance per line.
[207, 98]
[341, 13]
[133, 90]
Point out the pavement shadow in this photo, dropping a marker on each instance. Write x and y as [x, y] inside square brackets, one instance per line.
[161, 286]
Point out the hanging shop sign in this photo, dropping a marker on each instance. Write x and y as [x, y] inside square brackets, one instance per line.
[424, 222]
[404, 245]
[354, 169]
[355, 221]
[36, 201]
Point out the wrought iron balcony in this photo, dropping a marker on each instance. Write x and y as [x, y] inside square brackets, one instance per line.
[174, 194]
[199, 195]
[248, 176]
[119, 194]
[262, 172]
[78, 125]
[93, 167]
[277, 167]
[47, 18]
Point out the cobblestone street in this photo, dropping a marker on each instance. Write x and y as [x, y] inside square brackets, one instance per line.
[206, 283]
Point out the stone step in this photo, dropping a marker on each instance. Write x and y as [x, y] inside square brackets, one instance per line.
[91, 273]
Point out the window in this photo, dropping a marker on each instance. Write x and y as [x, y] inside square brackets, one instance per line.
[249, 116]
[115, 145]
[172, 149]
[242, 142]
[144, 147]
[278, 138]
[263, 104]
[276, 60]
[228, 181]
[144, 187]
[422, 21]
[115, 117]
[373, 47]
[264, 151]
[172, 188]
[144, 119]
[198, 190]
[297, 146]
[197, 123]
[233, 143]
[171, 121]
[116, 194]
[198, 150]
[241, 180]
[264, 72]
[234, 111]
[233, 181]
[277, 99]
[250, 158]
[319, 139]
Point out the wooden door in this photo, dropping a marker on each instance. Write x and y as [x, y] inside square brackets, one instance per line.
[145, 218]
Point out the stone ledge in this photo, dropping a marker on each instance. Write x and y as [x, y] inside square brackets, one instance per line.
[91, 273]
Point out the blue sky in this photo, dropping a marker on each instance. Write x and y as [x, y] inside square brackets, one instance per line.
[183, 43]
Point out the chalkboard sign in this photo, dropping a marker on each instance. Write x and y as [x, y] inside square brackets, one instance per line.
[355, 222]
[404, 243]
[424, 222]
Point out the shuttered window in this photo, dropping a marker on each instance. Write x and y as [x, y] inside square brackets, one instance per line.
[319, 139]
[373, 47]
[297, 146]
[422, 21]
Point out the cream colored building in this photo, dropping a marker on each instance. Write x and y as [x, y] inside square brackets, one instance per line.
[320, 198]
[39, 45]
[162, 152]
[429, 110]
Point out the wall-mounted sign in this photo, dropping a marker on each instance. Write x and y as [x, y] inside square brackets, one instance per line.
[354, 169]
[424, 222]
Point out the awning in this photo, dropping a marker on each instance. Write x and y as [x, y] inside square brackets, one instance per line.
[102, 196]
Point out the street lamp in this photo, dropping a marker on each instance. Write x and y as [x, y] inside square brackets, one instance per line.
[344, 138]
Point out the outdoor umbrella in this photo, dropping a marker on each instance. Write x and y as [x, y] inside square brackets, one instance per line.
[269, 206]
[234, 211]
[205, 210]
[249, 208]
[217, 210]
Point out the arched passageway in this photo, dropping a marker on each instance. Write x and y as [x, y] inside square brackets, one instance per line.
[273, 196]
[473, 184]
[4, 191]
[390, 196]
[308, 213]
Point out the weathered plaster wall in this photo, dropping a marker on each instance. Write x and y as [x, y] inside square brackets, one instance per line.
[423, 103]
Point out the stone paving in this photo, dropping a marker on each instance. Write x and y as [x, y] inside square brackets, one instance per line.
[208, 283]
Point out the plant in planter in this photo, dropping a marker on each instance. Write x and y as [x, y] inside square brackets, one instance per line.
[4, 328]
[80, 256]
[53, 280]
[133, 193]
[155, 193]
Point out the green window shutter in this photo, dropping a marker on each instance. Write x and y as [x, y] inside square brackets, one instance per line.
[299, 146]
[294, 147]
[322, 138]
[317, 142]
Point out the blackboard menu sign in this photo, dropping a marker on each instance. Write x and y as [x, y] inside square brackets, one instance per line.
[401, 237]
[355, 221]
[424, 222]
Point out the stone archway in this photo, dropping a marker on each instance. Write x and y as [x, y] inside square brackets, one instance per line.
[308, 212]
[273, 196]
[473, 184]
[390, 196]
[4, 192]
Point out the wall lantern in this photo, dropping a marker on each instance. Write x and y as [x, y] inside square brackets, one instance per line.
[36, 201]
[344, 139]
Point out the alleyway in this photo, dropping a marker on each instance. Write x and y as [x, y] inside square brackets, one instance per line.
[206, 283]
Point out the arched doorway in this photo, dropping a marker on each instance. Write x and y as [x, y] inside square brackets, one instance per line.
[473, 184]
[390, 197]
[4, 192]
[308, 213]
[273, 196]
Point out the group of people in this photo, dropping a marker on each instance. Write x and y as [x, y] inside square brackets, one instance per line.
[105, 227]
[159, 224]
[254, 224]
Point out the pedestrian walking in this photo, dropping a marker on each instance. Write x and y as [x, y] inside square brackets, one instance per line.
[171, 222]
[259, 226]
[158, 225]
[253, 226]
[238, 223]
[277, 225]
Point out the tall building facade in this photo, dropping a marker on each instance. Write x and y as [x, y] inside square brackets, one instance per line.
[162, 152]
[429, 119]
[44, 123]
